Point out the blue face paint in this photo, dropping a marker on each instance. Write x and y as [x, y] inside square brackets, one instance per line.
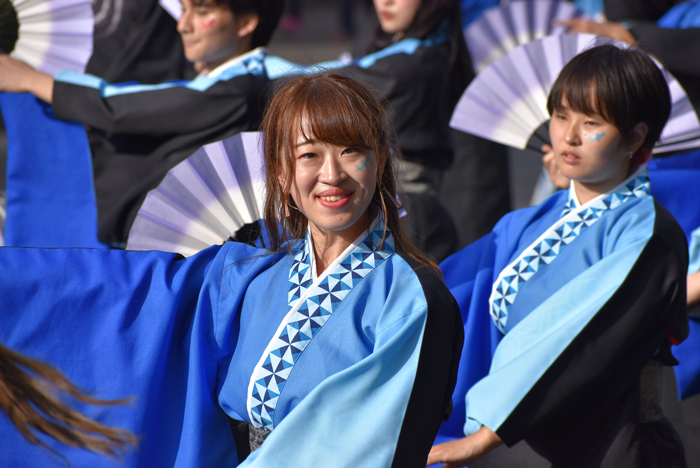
[595, 137]
[363, 165]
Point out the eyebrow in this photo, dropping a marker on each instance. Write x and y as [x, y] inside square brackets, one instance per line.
[306, 142]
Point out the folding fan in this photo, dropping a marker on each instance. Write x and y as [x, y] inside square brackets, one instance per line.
[50, 35]
[505, 27]
[507, 101]
[173, 7]
[205, 199]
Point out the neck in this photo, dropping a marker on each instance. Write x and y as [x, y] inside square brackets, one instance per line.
[242, 49]
[586, 192]
[329, 245]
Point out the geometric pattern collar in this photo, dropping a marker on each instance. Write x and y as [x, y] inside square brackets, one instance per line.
[311, 303]
[574, 220]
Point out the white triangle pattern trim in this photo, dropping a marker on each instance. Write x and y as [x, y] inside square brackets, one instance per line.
[314, 311]
[548, 246]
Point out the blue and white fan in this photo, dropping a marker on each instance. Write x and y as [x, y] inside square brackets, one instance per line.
[507, 26]
[507, 102]
[49, 35]
[205, 199]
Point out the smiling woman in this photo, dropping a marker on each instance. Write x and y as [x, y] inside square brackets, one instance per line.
[338, 347]
[139, 132]
[337, 143]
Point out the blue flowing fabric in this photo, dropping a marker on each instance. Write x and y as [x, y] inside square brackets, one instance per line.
[470, 275]
[682, 16]
[674, 183]
[130, 324]
[331, 362]
[50, 191]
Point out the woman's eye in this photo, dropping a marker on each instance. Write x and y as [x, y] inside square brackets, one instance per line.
[307, 155]
[591, 123]
[351, 150]
[560, 116]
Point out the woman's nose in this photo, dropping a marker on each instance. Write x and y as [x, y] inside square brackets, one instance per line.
[571, 137]
[331, 171]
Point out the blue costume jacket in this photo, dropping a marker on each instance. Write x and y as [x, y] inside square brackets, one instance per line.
[581, 298]
[354, 367]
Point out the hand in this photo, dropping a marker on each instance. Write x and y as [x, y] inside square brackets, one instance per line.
[459, 453]
[18, 77]
[558, 179]
[693, 287]
[614, 30]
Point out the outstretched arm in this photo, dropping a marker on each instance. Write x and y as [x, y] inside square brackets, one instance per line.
[18, 77]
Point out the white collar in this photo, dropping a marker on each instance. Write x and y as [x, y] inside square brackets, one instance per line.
[232, 62]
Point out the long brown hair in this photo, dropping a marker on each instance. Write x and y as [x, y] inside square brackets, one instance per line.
[339, 111]
[28, 397]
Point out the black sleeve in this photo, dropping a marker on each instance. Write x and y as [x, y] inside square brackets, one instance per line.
[636, 10]
[157, 112]
[430, 402]
[674, 47]
[587, 396]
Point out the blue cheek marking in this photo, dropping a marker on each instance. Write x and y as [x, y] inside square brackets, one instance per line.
[595, 137]
[362, 166]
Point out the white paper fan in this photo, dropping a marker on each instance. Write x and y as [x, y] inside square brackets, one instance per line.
[507, 101]
[205, 199]
[53, 35]
[174, 7]
[505, 27]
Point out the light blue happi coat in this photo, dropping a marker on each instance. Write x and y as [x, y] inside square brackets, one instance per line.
[327, 362]
[529, 288]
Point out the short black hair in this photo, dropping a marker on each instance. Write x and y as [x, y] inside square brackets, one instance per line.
[269, 13]
[621, 84]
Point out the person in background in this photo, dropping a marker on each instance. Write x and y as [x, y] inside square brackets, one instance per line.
[139, 132]
[417, 60]
[586, 292]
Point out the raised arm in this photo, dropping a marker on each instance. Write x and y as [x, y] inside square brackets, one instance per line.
[18, 77]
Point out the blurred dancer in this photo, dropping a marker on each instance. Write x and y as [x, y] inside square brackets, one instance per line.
[139, 132]
[419, 62]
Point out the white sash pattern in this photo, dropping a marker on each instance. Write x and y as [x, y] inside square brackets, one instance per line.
[310, 306]
[574, 220]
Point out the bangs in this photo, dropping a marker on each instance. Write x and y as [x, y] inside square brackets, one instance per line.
[582, 95]
[323, 113]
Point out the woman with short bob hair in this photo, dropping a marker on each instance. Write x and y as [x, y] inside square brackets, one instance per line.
[336, 347]
[586, 292]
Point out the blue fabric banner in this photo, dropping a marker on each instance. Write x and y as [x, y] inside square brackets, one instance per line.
[50, 191]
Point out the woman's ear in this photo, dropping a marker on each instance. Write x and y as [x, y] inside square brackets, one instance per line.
[247, 24]
[639, 135]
